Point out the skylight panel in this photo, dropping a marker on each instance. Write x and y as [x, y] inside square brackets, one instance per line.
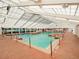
[45, 21]
[3, 11]
[63, 11]
[77, 14]
[36, 9]
[1, 4]
[11, 11]
[53, 9]
[8, 2]
[26, 16]
[26, 9]
[18, 11]
[19, 24]
[15, 13]
[68, 10]
[35, 23]
[58, 11]
[48, 10]
[33, 20]
[73, 9]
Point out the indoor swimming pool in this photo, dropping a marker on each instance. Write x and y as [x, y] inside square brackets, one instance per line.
[41, 40]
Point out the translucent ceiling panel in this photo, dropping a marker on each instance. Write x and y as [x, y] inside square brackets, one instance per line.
[68, 10]
[52, 25]
[19, 23]
[39, 26]
[9, 22]
[13, 16]
[63, 11]
[43, 26]
[15, 13]
[57, 10]
[23, 19]
[26, 16]
[54, 9]
[3, 11]
[15, 10]
[37, 22]
[77, 14]
[36, 9]
[33, 20]
[2, 4]
[73, 9]
[23, 2]
[48, 11]
[1, 20]
[8, 2]
[27, 24]
[3, 8]
[45, 21]
[60, 11]
[26, 10]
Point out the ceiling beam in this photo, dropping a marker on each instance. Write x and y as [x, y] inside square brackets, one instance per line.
[70, 10]
[42, 4]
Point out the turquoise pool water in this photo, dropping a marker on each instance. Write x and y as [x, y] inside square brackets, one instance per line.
[40, 40]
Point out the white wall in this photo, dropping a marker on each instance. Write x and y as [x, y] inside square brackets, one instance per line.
[65, 24]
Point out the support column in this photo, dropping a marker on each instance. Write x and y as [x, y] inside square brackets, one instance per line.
[25, 30]
[19, 30]
[11, 33]
[51, 47]
[0, 30]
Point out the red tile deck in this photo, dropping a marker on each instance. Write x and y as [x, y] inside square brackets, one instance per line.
[10, 49]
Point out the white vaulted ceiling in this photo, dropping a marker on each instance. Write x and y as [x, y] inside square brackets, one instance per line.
[38, 13]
